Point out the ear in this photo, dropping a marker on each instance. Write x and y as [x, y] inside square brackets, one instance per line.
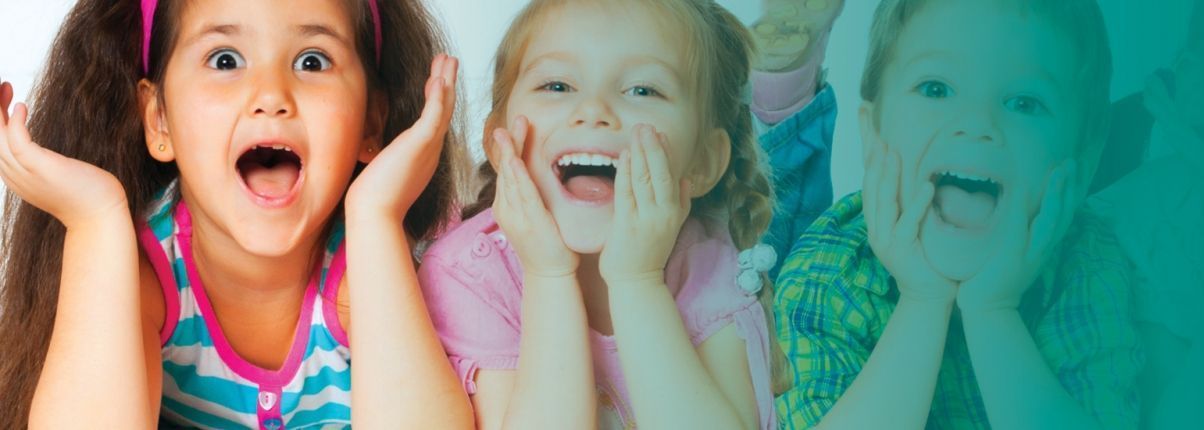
[710, 162]
[374, 127]
[870, 138]
[158, 137]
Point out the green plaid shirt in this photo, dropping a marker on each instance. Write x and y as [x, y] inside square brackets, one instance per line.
[834, 299]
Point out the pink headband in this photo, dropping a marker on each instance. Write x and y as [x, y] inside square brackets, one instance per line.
[148, 18]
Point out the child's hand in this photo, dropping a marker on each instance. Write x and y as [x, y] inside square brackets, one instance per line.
[74, 192]
[520, 211]
[1017, 262]
[399, 174]
[650, 207]
[894, 232]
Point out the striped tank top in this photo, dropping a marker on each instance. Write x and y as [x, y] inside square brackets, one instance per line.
[206, 384]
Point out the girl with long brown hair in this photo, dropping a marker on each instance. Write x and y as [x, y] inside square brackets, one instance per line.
[204, 191]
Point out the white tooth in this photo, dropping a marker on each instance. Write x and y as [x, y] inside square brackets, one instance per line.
[563, 161]
[287, 149]
[598, 160]
[278, 147]
[581, 159]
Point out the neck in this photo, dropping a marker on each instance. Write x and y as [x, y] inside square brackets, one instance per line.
[228, 270]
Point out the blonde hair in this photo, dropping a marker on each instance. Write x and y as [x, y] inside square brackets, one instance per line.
[1079, 20]
[719, 56]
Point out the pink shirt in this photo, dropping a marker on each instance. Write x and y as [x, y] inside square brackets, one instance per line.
[472, 282]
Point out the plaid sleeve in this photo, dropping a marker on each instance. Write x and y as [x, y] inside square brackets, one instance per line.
[1089, 335]
[827, 326]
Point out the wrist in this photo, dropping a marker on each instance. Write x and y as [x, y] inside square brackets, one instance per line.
[970, 308]
[109, 219]
[635, 280]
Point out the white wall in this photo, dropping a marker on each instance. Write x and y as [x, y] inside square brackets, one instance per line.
[1145, 36]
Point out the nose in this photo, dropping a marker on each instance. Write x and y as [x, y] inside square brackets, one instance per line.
[977, 125]
[594, 111]
[272, 94]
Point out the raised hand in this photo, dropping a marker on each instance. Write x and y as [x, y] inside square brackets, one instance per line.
[520, 211]
[74, 192]
[1027, 245]
[650, 207]
[893, 222]
[396, 177]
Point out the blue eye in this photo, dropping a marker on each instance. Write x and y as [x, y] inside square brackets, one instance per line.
[555, 87]
[643, 91]
[934, 89]
[1027, 105]
[312, 61]
[225, 59]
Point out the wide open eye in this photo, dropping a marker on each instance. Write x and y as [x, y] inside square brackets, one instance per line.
[226, 59]
[312, 61]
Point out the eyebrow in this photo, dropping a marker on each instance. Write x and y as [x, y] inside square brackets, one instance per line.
[551, 56]
[220, 29]
[314, 30]
[306, 30]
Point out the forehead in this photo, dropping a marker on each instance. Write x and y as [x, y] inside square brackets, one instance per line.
[202, 15]
[608, 32]
[999, 38]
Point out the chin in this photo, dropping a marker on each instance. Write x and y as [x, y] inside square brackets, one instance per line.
[584, 230]
[269, 240]
[954, 253]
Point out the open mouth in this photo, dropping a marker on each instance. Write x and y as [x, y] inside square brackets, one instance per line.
[587, 177]
[270, 172]
[965, 200]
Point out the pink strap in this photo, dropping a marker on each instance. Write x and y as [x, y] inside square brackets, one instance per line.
[148, 19]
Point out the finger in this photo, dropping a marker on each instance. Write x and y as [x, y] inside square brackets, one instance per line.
[6, 99]
[431, 122]
[641, 179]
[664, 188]
[1044, 226]
[908, 228]
[449, 76]
[888, 198]
[20, 144]
[871, 181]
[624, 198]
[519, 132]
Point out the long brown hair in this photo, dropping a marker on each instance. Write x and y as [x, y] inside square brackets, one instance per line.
[719, 56]
[86, 107]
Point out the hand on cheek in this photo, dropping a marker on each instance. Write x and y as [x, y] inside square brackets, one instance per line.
[893, 220]
[1028, 243]
[650, 207]
[520, 211]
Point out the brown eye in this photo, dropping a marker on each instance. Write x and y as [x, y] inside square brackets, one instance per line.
[226, 59]
[312, 61]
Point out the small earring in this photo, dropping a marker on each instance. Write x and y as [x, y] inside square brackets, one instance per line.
[162, 147]
[371, 149]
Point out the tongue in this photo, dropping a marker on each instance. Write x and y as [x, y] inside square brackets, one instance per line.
[591, 188]
[271, 182]
[964, 209]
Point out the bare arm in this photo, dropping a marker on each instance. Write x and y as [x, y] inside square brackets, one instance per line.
[554, 384]
[668, 382]
[96, 347]
[402, 377]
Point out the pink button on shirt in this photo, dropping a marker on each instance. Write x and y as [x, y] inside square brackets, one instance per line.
[473, 286]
